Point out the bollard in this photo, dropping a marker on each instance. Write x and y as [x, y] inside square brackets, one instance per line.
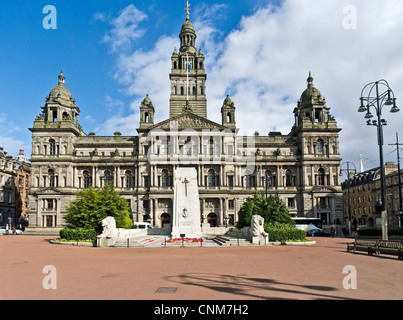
[128, 242]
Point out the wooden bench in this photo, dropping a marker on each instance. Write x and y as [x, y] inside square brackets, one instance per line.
[391, 247]
[366, 245]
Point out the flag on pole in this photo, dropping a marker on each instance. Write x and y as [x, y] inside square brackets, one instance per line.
[189, 63]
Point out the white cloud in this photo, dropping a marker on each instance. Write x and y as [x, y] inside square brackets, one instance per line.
[10, 125]
[264, 63]
[12, 145]
[125, 28]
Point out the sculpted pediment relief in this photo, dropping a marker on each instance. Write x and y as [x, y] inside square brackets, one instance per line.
[326, 189]
[187, 120]
[49, 191]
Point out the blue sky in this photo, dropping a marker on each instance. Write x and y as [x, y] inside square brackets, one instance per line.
[114, 52]
[31, 57]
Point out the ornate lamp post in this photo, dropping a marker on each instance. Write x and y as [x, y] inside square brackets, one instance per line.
[266, 179]
[378, 100]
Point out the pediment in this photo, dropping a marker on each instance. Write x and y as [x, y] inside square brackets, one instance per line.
[323, 189]
[187, 120]
[49, 191]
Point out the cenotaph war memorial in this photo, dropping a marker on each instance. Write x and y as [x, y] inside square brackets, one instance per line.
[186, 213]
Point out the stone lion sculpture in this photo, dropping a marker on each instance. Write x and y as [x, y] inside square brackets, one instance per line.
[110, 234]
[257, 230]
[109, 228]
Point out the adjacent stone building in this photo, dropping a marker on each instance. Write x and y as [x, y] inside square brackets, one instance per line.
[22, 169]
[15, 183]
[302, 166]
[7, 189]
[365, 192]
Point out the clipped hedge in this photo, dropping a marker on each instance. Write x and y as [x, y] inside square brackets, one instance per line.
[74, 234]
[377, 232]
[284, 233]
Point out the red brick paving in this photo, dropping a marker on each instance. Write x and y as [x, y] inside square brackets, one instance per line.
[227, 273]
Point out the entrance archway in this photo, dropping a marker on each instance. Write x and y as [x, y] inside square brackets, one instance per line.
[212, 220]
[165, 218]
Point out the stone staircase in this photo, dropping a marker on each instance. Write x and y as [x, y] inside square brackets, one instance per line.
[227, 241]
[134, 243]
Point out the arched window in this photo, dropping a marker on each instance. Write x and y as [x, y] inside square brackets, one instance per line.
[319, 146]
[249, 179]
[108, 177]
[165, 178]
[129, 180]
[211, 178]
[321, 177]
[229, 117]
[211, 146]
[53, 180]
[146, 117]
[52, 147]
[270, 178]
[288, 179]
[87, 179]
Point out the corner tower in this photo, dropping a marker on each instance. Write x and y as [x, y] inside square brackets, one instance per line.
[188, 77]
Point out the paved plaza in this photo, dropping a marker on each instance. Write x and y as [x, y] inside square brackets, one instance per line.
[197, 273]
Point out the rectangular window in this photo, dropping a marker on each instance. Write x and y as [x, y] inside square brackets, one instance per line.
[230, 181]
[291, 202]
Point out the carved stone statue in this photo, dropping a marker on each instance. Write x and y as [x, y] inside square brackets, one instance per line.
[109, 228]
[110, 234]
[259, 236]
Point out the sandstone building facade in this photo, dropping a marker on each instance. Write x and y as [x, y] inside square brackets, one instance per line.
[302, 166]
[365, 192]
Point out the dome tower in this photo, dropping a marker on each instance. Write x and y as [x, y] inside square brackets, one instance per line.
[311, 106]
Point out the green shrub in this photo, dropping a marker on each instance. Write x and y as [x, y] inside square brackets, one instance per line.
[284, 232]
[377, 232]
[74, 234]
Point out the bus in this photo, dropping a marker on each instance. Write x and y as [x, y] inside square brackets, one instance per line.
[302, 223]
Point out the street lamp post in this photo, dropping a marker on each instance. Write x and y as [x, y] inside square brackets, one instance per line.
[378, 100]
[267, 179]
[348, 190]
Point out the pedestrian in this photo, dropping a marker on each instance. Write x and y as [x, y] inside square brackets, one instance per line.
[332, 231]
[13, 230]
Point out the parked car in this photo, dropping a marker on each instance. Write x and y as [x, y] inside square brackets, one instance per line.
[3, 230]
[317, 233]
[143, 225]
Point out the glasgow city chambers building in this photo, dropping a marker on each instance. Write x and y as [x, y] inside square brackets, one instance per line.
[302, 166]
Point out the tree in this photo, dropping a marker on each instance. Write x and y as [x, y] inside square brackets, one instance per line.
[278, 210]
[272, 209]
[93, 205]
